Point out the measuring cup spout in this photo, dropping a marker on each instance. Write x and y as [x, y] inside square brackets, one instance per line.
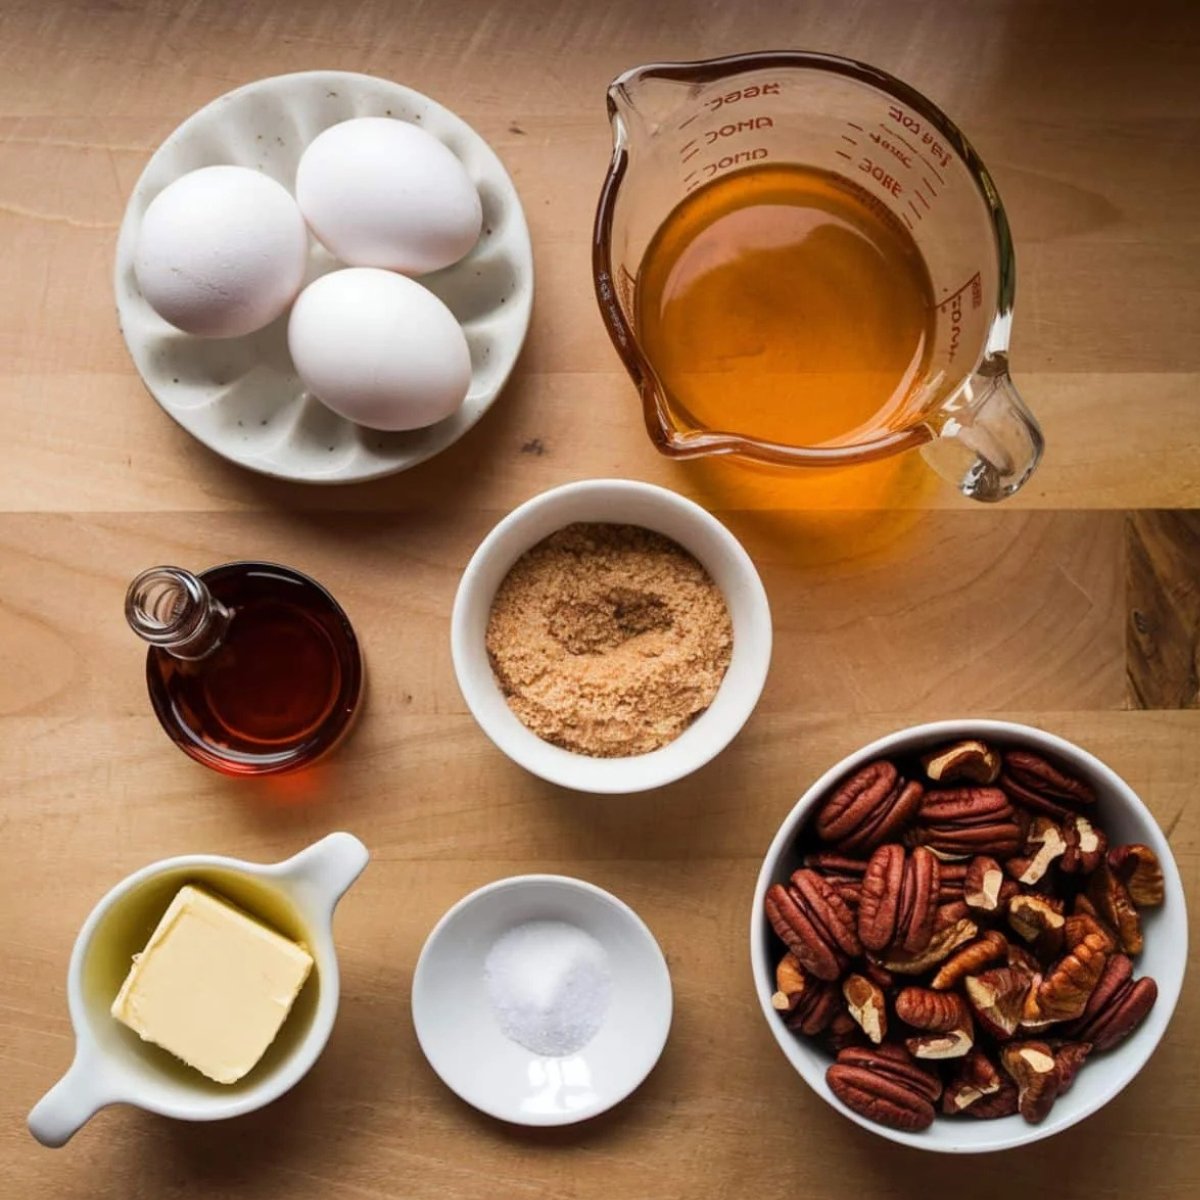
[985, 441]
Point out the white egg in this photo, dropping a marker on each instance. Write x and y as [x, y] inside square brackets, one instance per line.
[384, 193]
[379, 349]
[221, 252]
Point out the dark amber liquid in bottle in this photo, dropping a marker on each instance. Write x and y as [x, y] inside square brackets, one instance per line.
[280, 690]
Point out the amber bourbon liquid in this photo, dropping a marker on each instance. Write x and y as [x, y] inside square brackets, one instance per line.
[279, 691]
[788, 305]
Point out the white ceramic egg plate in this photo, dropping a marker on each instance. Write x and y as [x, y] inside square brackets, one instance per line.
[242, 397]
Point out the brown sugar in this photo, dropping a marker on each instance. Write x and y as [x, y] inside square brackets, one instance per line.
[608, 640]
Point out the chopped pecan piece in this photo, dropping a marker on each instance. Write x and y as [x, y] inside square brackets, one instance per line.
[970, 761]
[866, 1003]
[1035, 919]
[1044, 843]
[1002, 1103]
[1138, 868]
[998, 998]
[984, 884]
[1115, 908]
[1070, 1057]
[970, 959]
[975, 1078]
[869, 808]
[1037, 1076]
[943, 944]
[790, 984]
[1086, 845]
[1079, 926]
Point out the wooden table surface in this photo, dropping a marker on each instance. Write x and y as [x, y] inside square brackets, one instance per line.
[1075, 607]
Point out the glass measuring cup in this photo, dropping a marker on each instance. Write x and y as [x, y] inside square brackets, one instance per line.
[677, 126]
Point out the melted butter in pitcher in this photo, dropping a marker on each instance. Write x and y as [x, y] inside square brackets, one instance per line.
[785, 304]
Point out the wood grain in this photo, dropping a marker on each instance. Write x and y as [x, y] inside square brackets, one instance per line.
[1163, 629]
[1073, 608]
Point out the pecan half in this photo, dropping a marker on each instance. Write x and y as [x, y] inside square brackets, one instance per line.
[936, 1012]
[975, 1078]
[833, 865]
[1037, 1076]
[1044, 842]
[814, 923]
[880, 902]
[1117, 1006]
[1138, 868]
[1037, 783]
[998, 999]
[1068, 985]
[1086, 845]
[1020, 958]
[941, 946]
[869, 808]
[963, 822]
[970, 959]
[885, 1085]
[1114, 907]
[918, 908]
[970, 760]
[867, 1005]
[1035, 919]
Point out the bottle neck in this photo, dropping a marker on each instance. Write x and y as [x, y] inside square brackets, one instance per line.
[173, 609]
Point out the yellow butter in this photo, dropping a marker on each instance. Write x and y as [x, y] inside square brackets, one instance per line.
[213, 985]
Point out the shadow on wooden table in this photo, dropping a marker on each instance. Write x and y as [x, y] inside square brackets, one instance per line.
[812, 516]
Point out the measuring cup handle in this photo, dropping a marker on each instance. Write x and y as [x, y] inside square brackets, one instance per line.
[985, 441]
[325, 870]
[71, 1102]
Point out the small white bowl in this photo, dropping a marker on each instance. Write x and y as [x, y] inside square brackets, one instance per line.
[1124, 817]
[614, 501]
[113, 1065]
[464, 1043]
[242, 397]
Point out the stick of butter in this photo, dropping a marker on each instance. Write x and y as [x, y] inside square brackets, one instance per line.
[213, 985]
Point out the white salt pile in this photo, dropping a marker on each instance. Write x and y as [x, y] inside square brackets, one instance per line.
[548, 985]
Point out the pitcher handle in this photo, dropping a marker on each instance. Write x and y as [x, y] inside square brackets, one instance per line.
[985, 441]
[72, 1101]
[321, 874]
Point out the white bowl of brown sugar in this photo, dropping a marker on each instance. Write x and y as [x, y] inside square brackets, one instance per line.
[611, 636]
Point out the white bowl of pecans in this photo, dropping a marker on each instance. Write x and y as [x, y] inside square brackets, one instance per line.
[968, 935]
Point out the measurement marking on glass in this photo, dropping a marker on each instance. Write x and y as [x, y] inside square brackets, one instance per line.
[921, 196]
[906, 220]
[974, 283]
[900, 137]
[847, 138]
[687, 146]
[843, 154]
[691, 155]
[853, 126]
[684, 124]
[689, 177]
[932, 190]
[916, 210]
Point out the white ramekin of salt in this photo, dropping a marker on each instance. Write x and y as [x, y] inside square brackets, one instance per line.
[541, 999]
